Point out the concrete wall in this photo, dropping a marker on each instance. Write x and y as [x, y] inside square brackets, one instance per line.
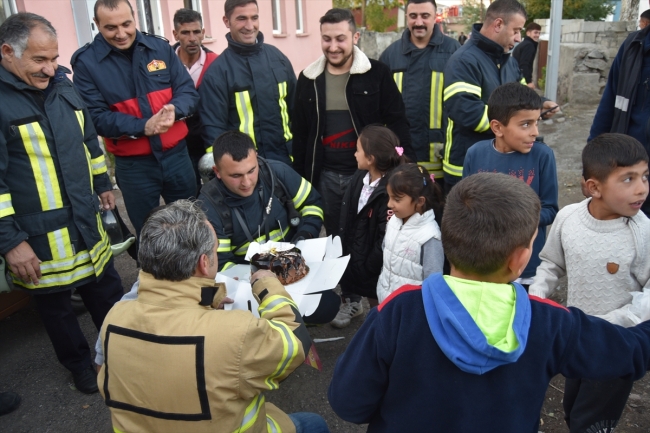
[374, 43]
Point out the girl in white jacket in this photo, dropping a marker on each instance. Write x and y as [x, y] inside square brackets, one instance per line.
[412, 245]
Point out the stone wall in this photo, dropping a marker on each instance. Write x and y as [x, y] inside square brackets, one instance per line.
[374, 43]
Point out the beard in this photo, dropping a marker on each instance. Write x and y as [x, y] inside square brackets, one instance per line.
[343, 61]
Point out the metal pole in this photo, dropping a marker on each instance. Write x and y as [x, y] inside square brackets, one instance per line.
[553, 62]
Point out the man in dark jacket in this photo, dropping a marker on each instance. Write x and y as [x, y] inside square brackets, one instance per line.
[526, 51]
[138, 92]
[470, 79]
[417, 62]
[624, 107]
[337, 96]
[189, 32]
[250, 87]
[51, 171]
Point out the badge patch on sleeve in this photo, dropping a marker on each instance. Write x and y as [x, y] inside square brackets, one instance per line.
[156, 65]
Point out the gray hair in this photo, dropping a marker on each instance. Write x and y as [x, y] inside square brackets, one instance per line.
[16, 29]
[173, 239]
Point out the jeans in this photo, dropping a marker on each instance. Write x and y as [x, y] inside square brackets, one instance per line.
[307, 422]
[143, 180]
[332, 187]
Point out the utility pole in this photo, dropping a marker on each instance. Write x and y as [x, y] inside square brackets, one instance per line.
[629, 10]
[553, 62]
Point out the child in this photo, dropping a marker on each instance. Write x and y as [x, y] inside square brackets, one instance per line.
[513, 111]
[412, 247]
[469, 351]
[364, 214]
[601, 244]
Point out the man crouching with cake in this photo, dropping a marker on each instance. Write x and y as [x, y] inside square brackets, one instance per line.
[256, 200]
[168, 364]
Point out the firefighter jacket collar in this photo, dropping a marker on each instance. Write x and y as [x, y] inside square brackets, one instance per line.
[176, 294]
[360, 65]
[104, 48]
[10, 79]
[245, 49]
[488, 46]
[437, 38]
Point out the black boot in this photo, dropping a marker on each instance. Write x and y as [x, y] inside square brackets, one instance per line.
[86, 381]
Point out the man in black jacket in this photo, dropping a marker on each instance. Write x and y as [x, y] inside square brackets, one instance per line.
[526, 51]
[336, 97]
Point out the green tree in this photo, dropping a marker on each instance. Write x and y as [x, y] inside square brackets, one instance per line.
[372, 12]
[588, 10]
[473, 12]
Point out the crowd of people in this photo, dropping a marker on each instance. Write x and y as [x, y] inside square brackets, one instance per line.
[425, 163]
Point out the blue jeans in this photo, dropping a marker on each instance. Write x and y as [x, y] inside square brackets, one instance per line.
[143, 180]
[307, 422]
[332, 187]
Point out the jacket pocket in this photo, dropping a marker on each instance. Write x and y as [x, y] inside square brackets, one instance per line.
[39, 223]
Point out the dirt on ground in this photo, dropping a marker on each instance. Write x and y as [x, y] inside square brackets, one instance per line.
[50, 403]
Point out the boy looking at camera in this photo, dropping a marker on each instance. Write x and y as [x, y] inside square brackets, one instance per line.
[601, 244]
[513, 111]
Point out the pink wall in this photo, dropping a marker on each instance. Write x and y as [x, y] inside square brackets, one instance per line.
[301, 49]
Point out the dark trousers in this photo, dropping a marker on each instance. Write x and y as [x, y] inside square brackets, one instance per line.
[143, 179]
[61, 322]
[327, 309]
[594, 406]
[332, 187]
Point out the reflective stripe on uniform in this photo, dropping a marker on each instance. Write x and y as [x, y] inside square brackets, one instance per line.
[81, 120]
[228, 265]
[459, 87]
[98, 165]
[484, 123]
[284, 110]
[251, 413]
[6, 208]
[447, 167]
[224, 245]
[312, 210]
[523, 81]
[246, 116]
[274, 303]
[303, 192]
[274, 235]
[435, 100]
[60, 244]
[398, 77]
[272, 425]
[290, 345]
[208, 150]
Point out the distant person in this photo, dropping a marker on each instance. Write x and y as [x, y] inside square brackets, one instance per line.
[601, 246]
[250, 87]
[526, 51]
[462, 38]
[470, 80]
[623, 107]
[644, 20]
[470, 351]
[513, 111]
[189, 33]
[417, 62]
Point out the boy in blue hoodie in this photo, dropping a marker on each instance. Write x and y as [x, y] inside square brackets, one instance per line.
[471, 351]
[513, 111]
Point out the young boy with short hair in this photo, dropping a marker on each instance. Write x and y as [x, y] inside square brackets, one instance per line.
[513, 111]
[602, 245]
[470, 351]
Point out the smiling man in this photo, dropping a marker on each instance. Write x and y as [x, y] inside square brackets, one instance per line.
[417, 61]
[526, 51]
[472, 73]
[250, 87]
[138, 93]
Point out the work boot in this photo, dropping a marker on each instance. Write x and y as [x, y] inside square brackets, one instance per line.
[86, 381]
[9, 402]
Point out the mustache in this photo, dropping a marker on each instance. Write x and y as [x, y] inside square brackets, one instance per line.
[40, 75]
[419, 27]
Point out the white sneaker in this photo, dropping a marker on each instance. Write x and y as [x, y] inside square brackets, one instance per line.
[347, 311]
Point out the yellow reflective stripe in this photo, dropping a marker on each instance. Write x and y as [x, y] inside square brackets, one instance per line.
[302, 194]
[274, 235]
[450, 127]
[284, 110]
[40, 158]
[312, 210]
[116, 430]
[399, 78]
[246, 116]
[452, 169]
[98, 165]
[459, 86]
[435, 102]
[290, 350]
[60, 244]
[6, 207]
[208, 150]
[81, 120]
[484, 124]
[274, 303]
[90, 167]
[448, 167]
[227, 266]
[272, 425]
[251, 413]
[224, 245]
[523, 81]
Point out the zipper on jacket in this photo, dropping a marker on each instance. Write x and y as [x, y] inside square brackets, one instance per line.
[313, 157]
[346, 103]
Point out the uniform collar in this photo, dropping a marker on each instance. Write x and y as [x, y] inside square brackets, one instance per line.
[10, 79]
[104, 48]
[487, 45]
[245, 49]
[175, 294]
[407, 46]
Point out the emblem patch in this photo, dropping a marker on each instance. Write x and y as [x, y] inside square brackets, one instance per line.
[156, 65]
[612, 268]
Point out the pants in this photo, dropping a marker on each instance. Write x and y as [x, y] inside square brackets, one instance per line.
[592, 406]
[449, 182]
[143, 179]
[332, 187]
[61, 323]
[327, 309]
[195, 157]
[307, 422]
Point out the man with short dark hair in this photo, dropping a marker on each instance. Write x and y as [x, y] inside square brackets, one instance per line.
[470, 79]
[644, 20]
[176, 362]
[250, 87]
[189, 33]
[462, 38]
[417, 61]
[526, 51]
[138, 93]
[51, 172]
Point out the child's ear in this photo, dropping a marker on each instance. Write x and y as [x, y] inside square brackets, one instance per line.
[496, 127]
[517, 262]
[419, 205]
[593, 187]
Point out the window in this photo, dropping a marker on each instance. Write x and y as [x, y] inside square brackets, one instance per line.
[300, 18]
[277, 17]
[195, 5]
[7, 8]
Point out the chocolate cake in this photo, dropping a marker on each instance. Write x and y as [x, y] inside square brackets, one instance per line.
[288, 265]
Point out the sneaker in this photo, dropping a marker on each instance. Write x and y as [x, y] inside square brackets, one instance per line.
[86, 381]
[9, 401]
[347, 311]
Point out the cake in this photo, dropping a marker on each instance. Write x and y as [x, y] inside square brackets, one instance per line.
[289, 266]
